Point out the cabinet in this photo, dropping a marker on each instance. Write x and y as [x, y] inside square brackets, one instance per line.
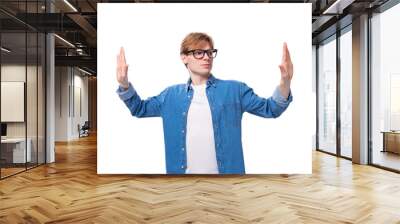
[391, 141]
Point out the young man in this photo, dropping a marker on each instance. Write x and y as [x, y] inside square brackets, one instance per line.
[202, 118]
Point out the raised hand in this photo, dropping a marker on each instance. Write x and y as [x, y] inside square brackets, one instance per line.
[286, 68]
[122, 69]
[286, 65]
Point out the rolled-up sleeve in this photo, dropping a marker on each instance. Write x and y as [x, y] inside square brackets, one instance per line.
[126, 94]
[150, 107]
[271, 107]
[281, 100]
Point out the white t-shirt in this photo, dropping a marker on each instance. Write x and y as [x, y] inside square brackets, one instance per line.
[200, 145]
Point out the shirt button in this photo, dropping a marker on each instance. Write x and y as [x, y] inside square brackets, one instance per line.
[188, 96]
[184, 113]
[183, 149]
[183, 166]
[183, 131]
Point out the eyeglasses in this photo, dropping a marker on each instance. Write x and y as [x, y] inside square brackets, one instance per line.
[199, 54]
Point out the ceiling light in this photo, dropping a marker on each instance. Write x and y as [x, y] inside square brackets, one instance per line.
[70, 5]
[338, 6]
[64, 40]
[84, 71]
[5, 49]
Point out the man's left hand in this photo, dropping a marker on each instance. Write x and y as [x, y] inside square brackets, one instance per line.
[286, 68]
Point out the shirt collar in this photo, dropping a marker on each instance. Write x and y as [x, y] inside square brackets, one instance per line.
[210, 82]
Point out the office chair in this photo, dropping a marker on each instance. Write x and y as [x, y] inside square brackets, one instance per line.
[84, 130]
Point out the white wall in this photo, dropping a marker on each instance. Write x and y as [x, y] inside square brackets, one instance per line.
[33, 126]
[80, 103]
[61, 103]
[13, 75]
[71, 93]
[16, 73]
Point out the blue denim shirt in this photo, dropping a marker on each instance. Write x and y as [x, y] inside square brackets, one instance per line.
[228, 100]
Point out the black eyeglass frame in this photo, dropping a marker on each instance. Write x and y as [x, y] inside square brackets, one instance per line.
[203, 53]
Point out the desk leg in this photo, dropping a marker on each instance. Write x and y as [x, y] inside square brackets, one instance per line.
[384, 142]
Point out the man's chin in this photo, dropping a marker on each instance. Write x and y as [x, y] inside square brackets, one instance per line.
[205, 74]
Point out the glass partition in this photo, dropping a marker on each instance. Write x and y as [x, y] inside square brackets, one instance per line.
[13, 108]
[22, 77]
[346, 93]
[385, 89]
[327, 96]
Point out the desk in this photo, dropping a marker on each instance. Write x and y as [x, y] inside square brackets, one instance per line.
[391, 141]
[16, 147]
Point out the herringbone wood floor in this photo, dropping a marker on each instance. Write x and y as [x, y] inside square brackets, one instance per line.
[70, 191]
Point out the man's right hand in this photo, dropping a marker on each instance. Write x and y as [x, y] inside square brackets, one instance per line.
[122, 69]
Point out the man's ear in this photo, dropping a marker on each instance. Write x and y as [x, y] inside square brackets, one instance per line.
[184, 59]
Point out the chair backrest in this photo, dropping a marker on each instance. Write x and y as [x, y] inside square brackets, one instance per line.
[86, 125]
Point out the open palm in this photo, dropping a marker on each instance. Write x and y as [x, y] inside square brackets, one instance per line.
[286, 65]
[122, 69]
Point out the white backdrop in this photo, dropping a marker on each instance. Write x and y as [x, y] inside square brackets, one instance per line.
[249, 38]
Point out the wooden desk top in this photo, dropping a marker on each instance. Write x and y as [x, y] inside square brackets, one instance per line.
[13, 140]
[391, 132]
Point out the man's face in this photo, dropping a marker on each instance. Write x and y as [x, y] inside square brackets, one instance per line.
[199, 66]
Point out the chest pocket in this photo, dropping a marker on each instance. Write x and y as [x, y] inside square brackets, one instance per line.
[230, 114]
